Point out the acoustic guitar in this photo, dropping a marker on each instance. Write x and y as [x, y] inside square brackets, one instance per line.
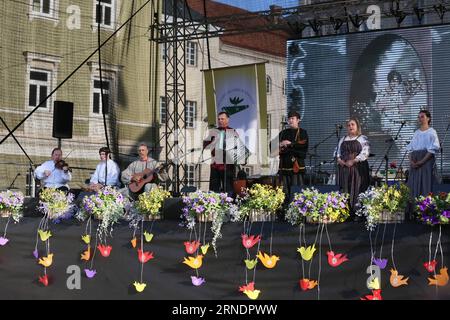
[138, 180]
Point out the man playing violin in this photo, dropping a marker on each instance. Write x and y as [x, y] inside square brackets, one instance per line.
[134, 172]
[54, 173]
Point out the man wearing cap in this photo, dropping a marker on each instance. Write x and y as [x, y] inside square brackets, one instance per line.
[293, 145]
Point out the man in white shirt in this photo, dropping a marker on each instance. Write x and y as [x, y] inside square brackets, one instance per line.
[51, 176]
[106, 168]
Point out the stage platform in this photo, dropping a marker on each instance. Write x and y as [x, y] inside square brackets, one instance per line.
[168, 278]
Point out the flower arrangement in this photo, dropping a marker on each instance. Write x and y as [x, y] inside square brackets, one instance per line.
[318, 207]
[200, 205]
[107, 205]
[150, 202]
[11, 203]
[379, 203]
[55, 204]
[262, 198]
[434, 209]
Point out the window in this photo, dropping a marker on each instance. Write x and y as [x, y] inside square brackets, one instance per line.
[39, 87]
[47, 9]
[190, 175]
[41, 6]
[162, 110]
[284, 87]
[191, 53]
[97, 102]
[189, 113]
[110, 74]
[269, 126]
[41, 78]
[268, 85]
[105, 13]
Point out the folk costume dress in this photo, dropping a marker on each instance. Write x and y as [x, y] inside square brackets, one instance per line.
[355, 179]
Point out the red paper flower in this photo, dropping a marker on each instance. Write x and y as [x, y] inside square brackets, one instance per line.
[393, 165]
[105, 251]
[144, 256]
[249, 242]
[44, 280]
[376, 295]
[304, 283]
[430, 265]
[191, 247]
[248, 287]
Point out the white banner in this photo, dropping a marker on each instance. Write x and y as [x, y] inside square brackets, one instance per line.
[239, 91]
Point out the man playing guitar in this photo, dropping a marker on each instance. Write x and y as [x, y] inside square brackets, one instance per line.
[138, 176]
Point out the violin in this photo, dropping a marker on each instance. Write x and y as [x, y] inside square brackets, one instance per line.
[62, 165]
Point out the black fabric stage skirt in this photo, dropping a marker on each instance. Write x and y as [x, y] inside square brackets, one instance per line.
[168, 278]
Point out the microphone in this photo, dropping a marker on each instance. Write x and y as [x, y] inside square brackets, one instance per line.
[338, 126]
[400, 121]
[322, 162]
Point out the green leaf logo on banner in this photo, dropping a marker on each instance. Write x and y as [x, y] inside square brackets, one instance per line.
[235, 107]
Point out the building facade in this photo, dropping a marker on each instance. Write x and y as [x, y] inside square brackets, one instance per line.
[51, 44]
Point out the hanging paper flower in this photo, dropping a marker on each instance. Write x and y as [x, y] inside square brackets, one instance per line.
[430, 265]
[191, 247]
[105, 251]
[144, 256]
[44, 280]
[194, 262]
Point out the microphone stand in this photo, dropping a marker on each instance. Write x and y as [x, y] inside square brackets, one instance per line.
[386, 154]
[12, 183]
[318, 144]
[442, 151]
[400, 167]
[338, 136]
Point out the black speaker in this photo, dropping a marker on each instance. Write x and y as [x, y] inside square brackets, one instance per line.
[62, 119]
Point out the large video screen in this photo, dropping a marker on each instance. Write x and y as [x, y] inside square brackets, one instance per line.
[384, 78]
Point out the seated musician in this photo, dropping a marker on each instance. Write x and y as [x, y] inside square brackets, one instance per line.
[106, 168]
[54, 173]
[134, 172]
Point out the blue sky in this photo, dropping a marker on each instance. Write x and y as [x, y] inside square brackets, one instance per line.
[259, 5]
